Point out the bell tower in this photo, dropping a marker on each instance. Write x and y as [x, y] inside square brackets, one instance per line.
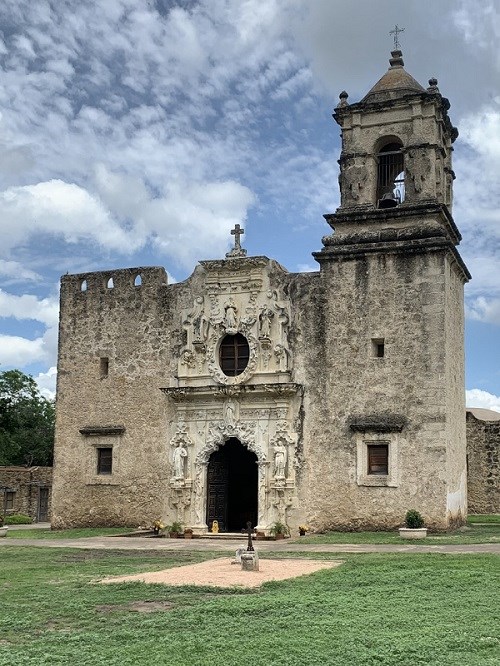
[396, 144]
[393, 282]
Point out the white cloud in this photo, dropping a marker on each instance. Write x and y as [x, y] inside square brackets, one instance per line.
[480, 398]
[60, 208]
[27, 306]
[47, 382]
[16, 271]
[19, 352]
[307, 268]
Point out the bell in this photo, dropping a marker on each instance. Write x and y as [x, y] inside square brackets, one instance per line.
[388, 201]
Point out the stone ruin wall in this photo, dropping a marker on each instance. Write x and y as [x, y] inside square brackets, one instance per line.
[131, 326]
[483, 465]
[25, 482]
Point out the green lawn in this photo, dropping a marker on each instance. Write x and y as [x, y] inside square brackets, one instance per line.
[76, 533]
[481, 532]
[392, 610]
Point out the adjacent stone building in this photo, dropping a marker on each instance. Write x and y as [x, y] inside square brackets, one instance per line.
[483, 460]
[333, 398]
[27, 491]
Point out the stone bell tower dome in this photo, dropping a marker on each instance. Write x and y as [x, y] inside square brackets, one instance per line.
[396, 143]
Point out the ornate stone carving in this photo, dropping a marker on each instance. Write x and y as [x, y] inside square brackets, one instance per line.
[281, 442]
[188, 358]
[198, 319]
[180, 442]
[219, 432]
[230, 317]
[230, 409]
[265, 321]
[213, 361]
[178, 456]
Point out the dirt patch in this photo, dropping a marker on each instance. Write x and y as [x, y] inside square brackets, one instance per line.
[137, 607]
[223, 573]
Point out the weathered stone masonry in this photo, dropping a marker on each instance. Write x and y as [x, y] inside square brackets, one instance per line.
[347, 392]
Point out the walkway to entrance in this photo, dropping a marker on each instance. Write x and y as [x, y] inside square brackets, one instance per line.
[229, 546]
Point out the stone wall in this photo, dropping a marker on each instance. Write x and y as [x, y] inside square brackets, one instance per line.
[25, 483]
[483, 465]
[398, 298]
[115, 352]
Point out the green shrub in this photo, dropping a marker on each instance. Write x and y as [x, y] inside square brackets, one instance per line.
[413, 519]
[175, 527]
[18, 519]
[279, 528]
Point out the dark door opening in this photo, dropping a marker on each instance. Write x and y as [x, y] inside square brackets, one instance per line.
[232, 487]
[43, 505]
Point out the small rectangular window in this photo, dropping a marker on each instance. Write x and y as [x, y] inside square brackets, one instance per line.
[378, 459]
[104, 461]
[104, 366]
[9, 500]
[378, 347]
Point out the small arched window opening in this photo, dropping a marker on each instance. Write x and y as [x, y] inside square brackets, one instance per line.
[83, 285]
[138, 280]
[234, 354]
[390, 176]
[110, 283]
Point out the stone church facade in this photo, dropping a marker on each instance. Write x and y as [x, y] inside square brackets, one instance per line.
[333, 398]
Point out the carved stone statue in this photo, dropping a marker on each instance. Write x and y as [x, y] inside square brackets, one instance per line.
[178, 457]
[230, 413]
[280, 455]
[198, 319]
[230, 320]
[265, 320]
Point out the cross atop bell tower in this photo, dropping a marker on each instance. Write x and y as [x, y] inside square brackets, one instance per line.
[396, 32]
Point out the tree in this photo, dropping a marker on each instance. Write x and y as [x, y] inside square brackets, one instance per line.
[26, 421]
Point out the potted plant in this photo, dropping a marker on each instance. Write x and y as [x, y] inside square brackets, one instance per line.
[188, 533]
[279, 530]
[303, 529]
[158, 528]
[414, 526]
[3, 528]
[174, 530]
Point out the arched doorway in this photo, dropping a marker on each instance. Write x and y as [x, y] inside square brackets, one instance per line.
[232, 487]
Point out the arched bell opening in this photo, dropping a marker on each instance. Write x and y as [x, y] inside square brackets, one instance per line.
[232, 476]
[390, 175]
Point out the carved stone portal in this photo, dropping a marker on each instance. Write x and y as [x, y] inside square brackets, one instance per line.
[259, 407]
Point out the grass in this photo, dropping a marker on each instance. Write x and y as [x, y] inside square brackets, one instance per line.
[469, 534]
[484, 518]
[75, 533]
[404, 610]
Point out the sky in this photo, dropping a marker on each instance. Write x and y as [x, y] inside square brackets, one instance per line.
[139, 132]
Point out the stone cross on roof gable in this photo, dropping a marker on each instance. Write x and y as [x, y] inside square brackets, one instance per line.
[237, 250]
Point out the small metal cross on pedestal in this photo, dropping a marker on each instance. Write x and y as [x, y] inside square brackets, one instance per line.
[250, 547]
[397, 45]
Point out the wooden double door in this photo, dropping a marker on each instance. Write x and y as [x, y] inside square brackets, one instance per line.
[232, 487]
